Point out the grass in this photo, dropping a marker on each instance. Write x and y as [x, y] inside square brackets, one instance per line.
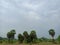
[42, 43]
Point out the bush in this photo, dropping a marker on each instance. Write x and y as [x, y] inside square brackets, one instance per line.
[58, 38]
[35, 41]
[1, 41]
[40, 40]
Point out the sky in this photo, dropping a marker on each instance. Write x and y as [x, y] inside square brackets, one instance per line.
[27, 15]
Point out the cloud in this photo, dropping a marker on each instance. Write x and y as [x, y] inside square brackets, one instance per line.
[21, 15]
[32, 16]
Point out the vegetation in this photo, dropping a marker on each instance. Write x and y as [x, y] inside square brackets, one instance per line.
[11, 35]
[33, 36]
[29, 39]
[58, 38]
[26, 36]
[20, 38]
[52, 33]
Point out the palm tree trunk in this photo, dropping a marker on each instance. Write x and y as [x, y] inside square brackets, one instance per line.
[9, 40]
[52, 39]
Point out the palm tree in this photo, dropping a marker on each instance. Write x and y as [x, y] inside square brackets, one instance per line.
[52, 33]
[20, 38]
[9, 36]
[33, 35]
[26, 36]
[13, 32]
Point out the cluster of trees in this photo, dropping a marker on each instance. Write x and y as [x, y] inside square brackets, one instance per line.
[25, 37]
[30, 38]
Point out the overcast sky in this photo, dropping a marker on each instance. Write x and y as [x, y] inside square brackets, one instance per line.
[38, 15]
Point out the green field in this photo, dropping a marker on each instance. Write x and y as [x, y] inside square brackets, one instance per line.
[42, 43]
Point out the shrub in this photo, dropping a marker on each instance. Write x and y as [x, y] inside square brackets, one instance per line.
[58, 38]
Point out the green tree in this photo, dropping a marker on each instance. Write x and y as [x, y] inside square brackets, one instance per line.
[20, 38]
[52, 33]
[13, 32]
[26, 36]
[9, 36]
[28, 39]
[33, 36]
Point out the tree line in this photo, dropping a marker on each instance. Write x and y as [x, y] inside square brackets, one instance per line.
[30, 38]
[27, 38]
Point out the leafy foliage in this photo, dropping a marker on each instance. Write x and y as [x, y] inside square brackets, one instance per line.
[10, 35]
[58, 38]
[52, 33]
[20, 38]
[28, 38]
[33, 36]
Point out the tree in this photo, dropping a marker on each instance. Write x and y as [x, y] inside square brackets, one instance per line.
[52, 33]
[9, 36]
[26, 36]
[13, 32]
[33, 35]
[20, 38]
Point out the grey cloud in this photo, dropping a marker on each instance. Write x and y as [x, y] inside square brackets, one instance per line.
[21, 15]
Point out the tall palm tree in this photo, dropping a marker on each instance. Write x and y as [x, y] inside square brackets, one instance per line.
[20, 38]
[33, 35]
[52, 33]
[9, 36]
[13, 32]
[26, 36]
